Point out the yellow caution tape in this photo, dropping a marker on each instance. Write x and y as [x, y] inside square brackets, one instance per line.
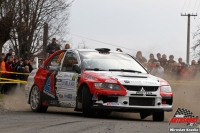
[14, 72]
[13, 80]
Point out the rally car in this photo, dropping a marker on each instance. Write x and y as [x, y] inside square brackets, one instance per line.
[97, 81]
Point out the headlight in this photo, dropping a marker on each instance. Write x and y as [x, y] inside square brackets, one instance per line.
[166, 89]
[107, 86]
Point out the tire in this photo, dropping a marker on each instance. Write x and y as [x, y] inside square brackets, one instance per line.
[158, 116]
[35, 100]
[87, 102]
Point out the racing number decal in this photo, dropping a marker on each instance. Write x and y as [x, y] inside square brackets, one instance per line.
[49, 86]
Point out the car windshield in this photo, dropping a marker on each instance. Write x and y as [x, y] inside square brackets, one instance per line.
[110, 62]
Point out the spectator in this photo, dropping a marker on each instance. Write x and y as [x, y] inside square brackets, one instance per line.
[171, 64]
[163, 62]
[186, 72]
[140, 58]
[151, 62]
[8, 54]
[20, 69]
[16, 66]
[67, 46]
[194, 67]
[159, 57]
[3, 65]
[180, 60]
[198, 69]
[178, 70]
[171, 60]
[9, 67]
[52, 47]
[27, 63]
[158, 70]
[26, 70]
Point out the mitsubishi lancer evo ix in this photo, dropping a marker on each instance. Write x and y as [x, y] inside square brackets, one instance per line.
[97, 81]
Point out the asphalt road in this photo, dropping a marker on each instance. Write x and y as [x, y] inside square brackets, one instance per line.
[58, 120]
[16, 117]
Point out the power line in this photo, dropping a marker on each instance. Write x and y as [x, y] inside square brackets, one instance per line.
[183, 6]
[188, 5]
[109, 43]
[198, 8]
[106, 43]
[194, 6]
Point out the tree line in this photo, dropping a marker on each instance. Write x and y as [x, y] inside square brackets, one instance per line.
[22, 21]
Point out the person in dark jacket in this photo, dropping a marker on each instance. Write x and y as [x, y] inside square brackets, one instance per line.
[52, 47]
[27, 63]
[26, 70]
[8, 54]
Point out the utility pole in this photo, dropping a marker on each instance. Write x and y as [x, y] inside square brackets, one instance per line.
[188, 36]
[45, 38]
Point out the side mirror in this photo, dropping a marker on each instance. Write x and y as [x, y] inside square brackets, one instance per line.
[76, 68]
[35, 63]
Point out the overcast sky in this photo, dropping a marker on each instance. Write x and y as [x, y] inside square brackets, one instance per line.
[150, 26]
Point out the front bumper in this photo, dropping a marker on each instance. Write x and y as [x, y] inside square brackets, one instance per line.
[134, 103]
[133, 109]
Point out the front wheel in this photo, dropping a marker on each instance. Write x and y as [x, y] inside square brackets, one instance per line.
[35, 100]
[158, 116]
[87, 102]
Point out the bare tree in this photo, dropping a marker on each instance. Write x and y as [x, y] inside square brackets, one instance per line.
[27, 30]
[196, 47]
[82, 45]
[7, 14]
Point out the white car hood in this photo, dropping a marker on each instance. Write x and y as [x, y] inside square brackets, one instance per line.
[129, 78]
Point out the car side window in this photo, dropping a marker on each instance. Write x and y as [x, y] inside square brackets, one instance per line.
[55, 61]
[69, 60]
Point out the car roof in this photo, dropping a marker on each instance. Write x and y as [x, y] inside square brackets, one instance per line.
[89, 50]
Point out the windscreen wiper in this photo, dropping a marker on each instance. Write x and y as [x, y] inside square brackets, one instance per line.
[95, 69]
[125, 70]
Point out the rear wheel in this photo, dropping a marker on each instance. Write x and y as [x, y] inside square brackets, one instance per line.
[87, 102]
[158, 116]
[35, 100]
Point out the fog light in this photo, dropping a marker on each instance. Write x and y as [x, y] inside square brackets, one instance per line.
[158, 103]
[125, 102]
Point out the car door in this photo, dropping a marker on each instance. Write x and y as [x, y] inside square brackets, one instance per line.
[48, 75]
[66, 80]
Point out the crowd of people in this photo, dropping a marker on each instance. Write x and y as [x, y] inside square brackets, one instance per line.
[12, 63]
[14, 68]
[169, 68]
[160, 66]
